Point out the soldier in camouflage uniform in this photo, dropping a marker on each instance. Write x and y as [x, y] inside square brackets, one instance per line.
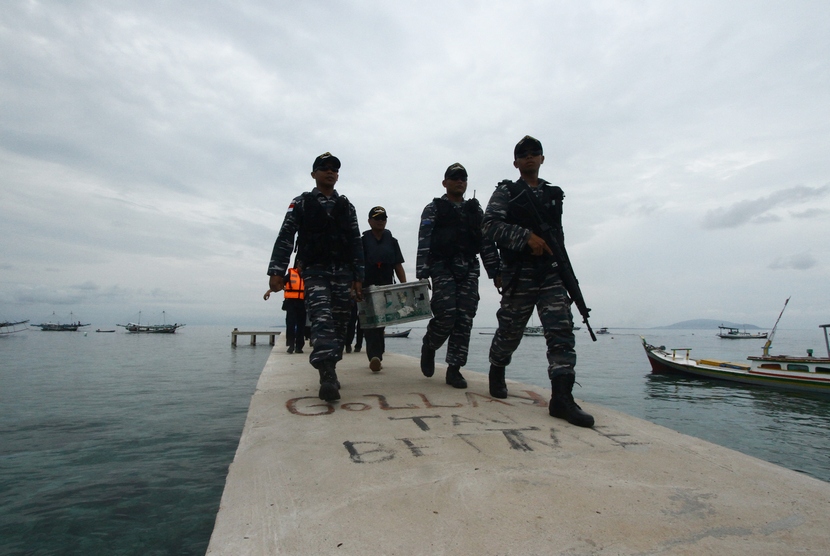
[448, 241]
[330, 256]
[530, 279]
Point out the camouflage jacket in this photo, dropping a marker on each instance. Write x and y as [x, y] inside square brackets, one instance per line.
[496, 225]
[291, 226]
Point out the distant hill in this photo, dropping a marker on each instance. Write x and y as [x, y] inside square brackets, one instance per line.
[701, 324]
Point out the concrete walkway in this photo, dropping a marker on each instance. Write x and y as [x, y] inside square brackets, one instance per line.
[403, 464]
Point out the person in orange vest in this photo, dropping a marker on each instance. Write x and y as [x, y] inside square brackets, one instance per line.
[294, 306]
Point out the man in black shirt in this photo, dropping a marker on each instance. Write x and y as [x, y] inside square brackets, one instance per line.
[383, 258]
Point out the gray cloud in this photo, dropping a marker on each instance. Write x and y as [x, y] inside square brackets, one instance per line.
[801, 261]
[149, 150]
[760, 211]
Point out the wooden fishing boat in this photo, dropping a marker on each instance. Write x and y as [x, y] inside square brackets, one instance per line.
[137, 327]
[729, 333]
[397, 333]
[151, 328]
[9, 327]
[71, 326]
[58, 327]
[785, 372]
[805, 374]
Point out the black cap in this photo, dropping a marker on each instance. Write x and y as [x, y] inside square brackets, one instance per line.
[527, 144]
[326, 158]
[378, 212]
[455, 171]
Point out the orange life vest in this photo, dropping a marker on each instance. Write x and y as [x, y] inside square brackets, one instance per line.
[294, 288]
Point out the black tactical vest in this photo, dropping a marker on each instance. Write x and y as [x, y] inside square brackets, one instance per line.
[551, 201]
[456, 231]
[324, 238]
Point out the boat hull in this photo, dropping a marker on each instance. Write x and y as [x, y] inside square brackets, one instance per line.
[151, 328]
[813, 380]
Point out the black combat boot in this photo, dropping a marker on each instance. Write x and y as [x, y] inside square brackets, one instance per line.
[454, 377]
[562, 402]
[498, 388]
[329, 385]
[427, 360]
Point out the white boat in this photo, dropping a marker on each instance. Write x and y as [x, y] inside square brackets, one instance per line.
[729, 333]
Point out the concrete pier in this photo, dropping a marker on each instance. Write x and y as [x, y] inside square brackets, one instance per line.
[404, 464]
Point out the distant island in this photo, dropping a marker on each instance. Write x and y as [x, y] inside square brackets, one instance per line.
[699, 324]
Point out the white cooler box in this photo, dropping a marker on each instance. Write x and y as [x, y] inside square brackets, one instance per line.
[395, 304]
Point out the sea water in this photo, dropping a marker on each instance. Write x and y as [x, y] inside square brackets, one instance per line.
[119, 444]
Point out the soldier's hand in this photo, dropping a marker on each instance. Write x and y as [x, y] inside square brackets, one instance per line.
[497, 282]
[275, 283]
[538, 246]
[267, 295]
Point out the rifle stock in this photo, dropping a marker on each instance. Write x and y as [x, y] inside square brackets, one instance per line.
[527, 204]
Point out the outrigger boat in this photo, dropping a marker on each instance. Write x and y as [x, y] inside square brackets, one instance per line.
[150, 328]
[8, 327]
[786, 372]
[58, 327]
[729, 333]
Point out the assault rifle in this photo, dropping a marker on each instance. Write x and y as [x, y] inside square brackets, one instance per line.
[527, 204]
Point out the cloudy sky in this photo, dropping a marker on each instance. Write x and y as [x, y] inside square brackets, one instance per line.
[149, 150]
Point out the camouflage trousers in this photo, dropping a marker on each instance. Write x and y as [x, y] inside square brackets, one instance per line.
[543, 290]
[328, 303]
[454, 304]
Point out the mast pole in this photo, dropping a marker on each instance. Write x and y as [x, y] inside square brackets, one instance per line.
[768, 344]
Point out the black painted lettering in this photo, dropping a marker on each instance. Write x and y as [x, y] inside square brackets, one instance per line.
[459, 420]
[415, 449]
[418, 419]
[368, 452]
[519, 441]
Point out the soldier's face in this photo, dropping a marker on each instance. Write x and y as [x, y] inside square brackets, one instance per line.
[457, 186]
[529, 161]
[326, 175]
